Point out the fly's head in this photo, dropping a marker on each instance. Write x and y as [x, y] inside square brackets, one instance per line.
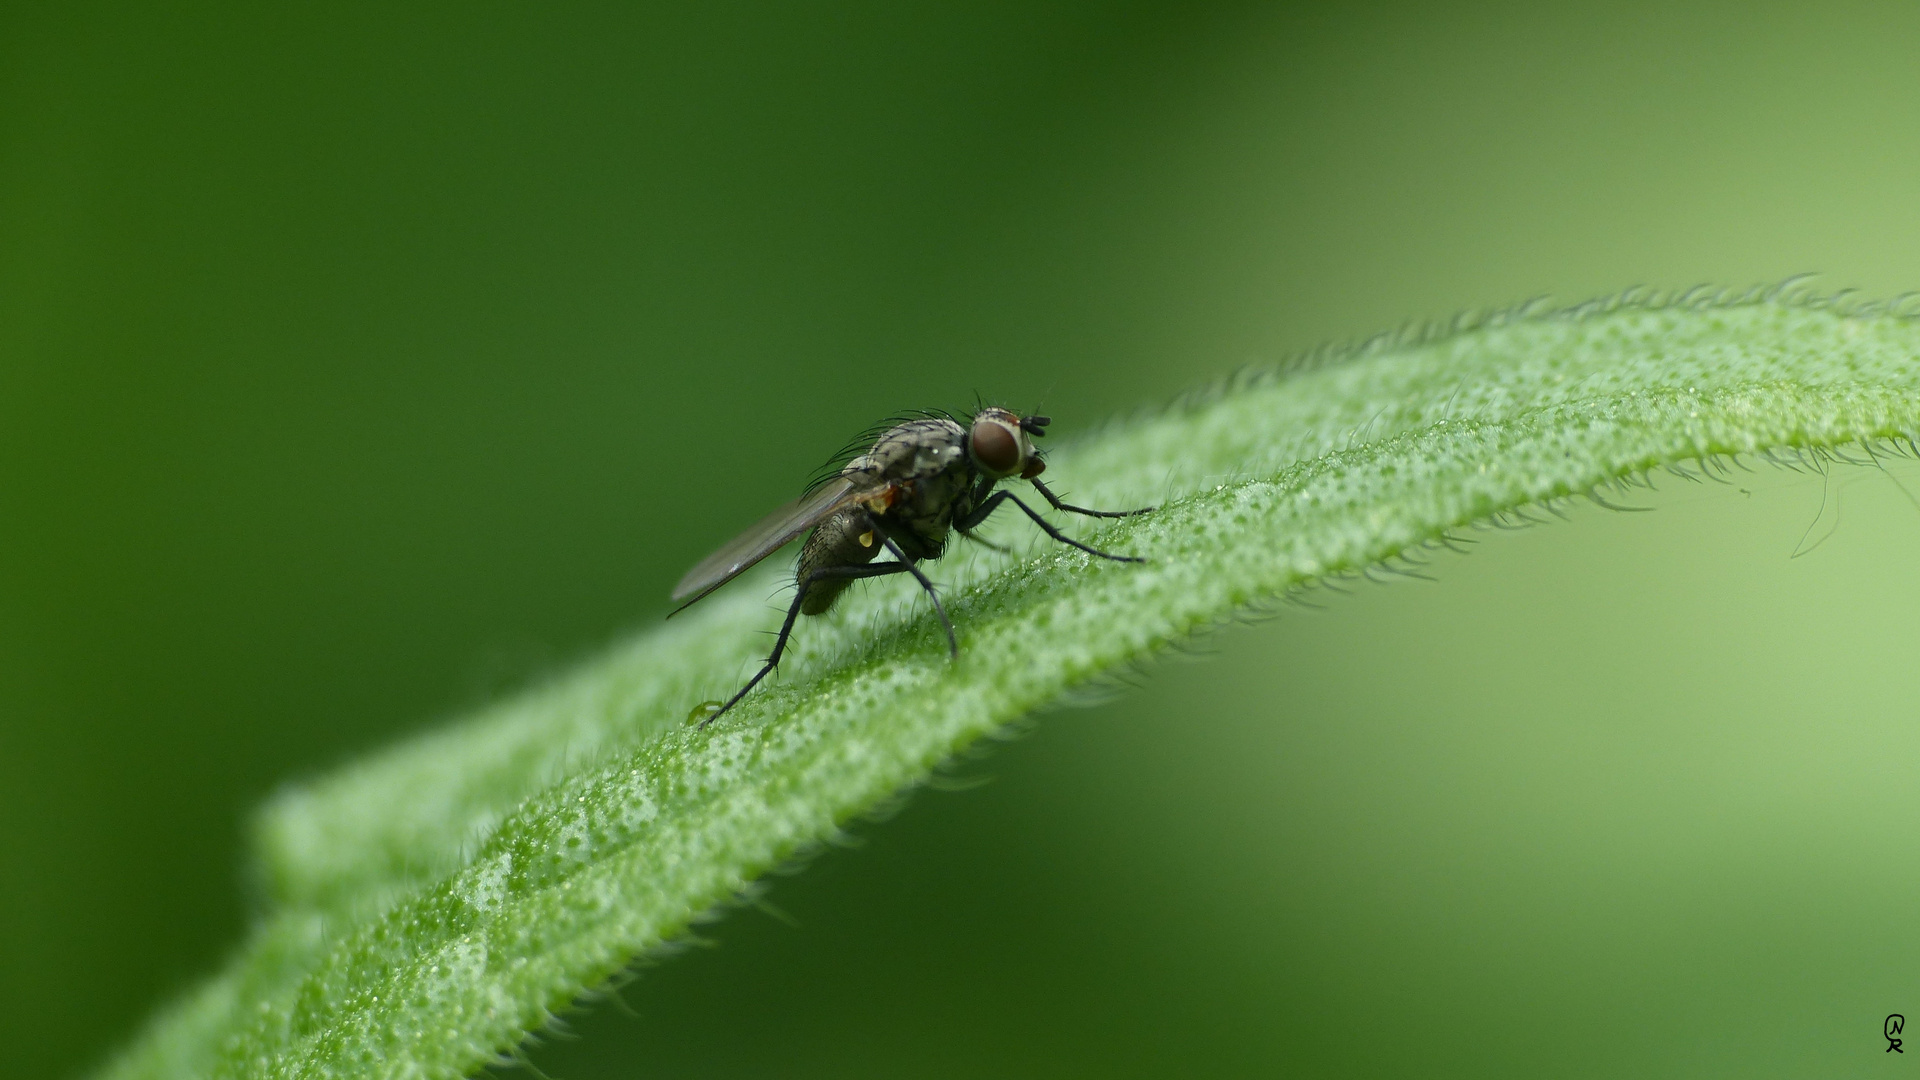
[1000, 444]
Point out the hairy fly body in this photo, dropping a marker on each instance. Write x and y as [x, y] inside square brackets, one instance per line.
[920, 481]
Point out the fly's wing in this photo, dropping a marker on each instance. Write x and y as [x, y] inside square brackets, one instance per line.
[769, 535]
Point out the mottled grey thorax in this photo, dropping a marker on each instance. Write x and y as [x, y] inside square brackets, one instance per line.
[923, 465]
[931, 456]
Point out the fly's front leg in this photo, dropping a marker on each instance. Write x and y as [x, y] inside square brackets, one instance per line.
[800, 596]
[980, 492]
[1054, 501]
[993, 503]
[953, 643]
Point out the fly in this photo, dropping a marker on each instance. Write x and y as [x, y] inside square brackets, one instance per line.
[920, 480]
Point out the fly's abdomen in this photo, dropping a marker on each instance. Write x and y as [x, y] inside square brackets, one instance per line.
[845, 539]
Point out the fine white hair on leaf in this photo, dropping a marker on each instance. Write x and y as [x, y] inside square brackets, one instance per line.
[434, 904]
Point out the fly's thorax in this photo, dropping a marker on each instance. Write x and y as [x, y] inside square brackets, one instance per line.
[925, 468]
[928, 507]
[911, 451]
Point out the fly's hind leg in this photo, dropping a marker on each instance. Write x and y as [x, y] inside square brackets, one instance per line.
[800, 597]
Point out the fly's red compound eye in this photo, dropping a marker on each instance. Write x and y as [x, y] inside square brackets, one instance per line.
[995, 445]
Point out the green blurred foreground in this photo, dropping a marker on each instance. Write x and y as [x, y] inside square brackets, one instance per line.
[358, 364]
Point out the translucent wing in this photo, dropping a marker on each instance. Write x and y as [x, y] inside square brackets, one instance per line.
[767, 536]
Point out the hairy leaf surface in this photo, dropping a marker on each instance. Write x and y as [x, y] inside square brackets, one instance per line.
[437, 902]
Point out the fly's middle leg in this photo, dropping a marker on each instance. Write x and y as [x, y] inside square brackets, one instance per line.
[986, 543]
[793, 612]
[953, 643]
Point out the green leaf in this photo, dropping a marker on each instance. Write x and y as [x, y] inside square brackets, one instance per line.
[436, 903]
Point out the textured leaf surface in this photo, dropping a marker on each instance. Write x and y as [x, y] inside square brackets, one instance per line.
[437, 902]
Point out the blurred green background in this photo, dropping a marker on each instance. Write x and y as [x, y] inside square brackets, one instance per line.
[359, 364]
